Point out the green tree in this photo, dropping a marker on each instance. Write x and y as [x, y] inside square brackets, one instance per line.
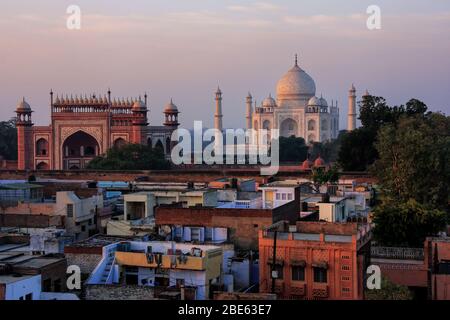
[328, 150]
[406, 224]
[8, 140]
[324, 177]
[130, 157]
[357, 151]
[414, 160]
[389, 291]
[292, 149]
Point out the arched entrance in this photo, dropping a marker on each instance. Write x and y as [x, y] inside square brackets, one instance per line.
[119, 143]
[78, 150]
[42, 166]
[159, 146]
[168, 147]
[288, 128]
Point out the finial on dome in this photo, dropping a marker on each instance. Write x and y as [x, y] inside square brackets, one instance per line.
[296, 60]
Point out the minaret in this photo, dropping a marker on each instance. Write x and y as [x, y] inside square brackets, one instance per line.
[351, 120]
[218, 115]
[24, 127]
[248, 116]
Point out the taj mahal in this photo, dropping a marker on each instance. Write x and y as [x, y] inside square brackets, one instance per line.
[296, 110]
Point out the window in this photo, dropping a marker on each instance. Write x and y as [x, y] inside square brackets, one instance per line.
[289, 196]
[179, 282]
[47, 285]
[195, 234]
[298, 273]
[278, 196]
[320, 275]
[83, 228]
[70, 210]
[345, 268]
[283, 196]
[279, 270]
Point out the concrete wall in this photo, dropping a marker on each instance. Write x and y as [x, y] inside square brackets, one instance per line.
[19, 289]
[86, 262]
[119, 292]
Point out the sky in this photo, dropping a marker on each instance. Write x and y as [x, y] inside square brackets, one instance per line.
[184, 49]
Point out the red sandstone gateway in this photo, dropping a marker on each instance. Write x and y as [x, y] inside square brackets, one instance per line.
[84, 127]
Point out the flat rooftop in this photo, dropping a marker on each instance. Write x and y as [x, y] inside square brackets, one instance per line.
[11, 278]
[99, 241]
[37, 263]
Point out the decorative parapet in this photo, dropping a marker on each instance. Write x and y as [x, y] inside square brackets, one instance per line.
[397, 253]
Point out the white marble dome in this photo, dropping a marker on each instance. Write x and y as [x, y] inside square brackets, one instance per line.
[314, 102]
[296, 83]
[269, 102]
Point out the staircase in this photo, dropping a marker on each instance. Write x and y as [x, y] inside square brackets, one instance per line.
[106, 277]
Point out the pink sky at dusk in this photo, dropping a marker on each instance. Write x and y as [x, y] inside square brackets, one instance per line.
[183, 50]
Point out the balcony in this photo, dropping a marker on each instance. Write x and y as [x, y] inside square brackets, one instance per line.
[298, 289]
[165, 261]
[320, 291]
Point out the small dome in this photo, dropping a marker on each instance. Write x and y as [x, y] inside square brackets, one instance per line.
[269, 102]
[323, 102]
[314, 102]
[138, 105]
[171, 107]
[23, 106]
[319, 162]
[306, 165]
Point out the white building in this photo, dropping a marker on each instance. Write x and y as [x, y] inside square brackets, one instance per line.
[296, 111]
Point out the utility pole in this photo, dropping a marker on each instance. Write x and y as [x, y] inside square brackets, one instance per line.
[274, 256]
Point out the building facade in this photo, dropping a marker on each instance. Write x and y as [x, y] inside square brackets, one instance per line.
[315, 260]
[84, 127]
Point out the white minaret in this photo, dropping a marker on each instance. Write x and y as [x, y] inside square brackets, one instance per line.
[248, 116]
[351, 120]
[218, 115]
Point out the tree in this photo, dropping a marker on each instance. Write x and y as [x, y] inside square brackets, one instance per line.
[357, 150]
[130, 157]
[406, 224]
[328, 150]
[8, 140]
[389, 291]
[414, 160]
[292, 149]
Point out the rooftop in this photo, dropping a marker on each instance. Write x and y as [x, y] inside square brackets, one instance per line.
[99, 241]
[11, 278]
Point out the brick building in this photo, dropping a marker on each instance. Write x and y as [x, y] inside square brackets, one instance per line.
[241, 224]
[84, 127]
[315, 260]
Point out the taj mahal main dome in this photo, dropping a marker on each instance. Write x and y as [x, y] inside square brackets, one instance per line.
[296, 83]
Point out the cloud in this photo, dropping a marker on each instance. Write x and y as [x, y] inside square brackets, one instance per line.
[255, 7]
